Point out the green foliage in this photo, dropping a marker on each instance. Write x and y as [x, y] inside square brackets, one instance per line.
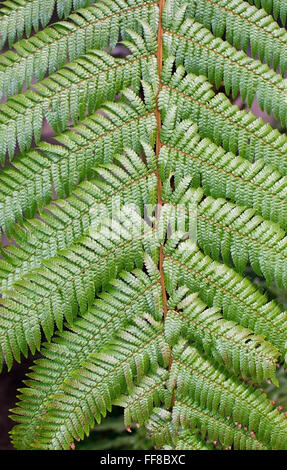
[275, 7]
[95, 27]
[235, 130]
[242, 352]
[134, 232]
[258, 30]
[62, 166]
[131, 296]
[64, 223]
[279, 395]
[219, 61]
[112, 435]
[82, 85]
[21, 16]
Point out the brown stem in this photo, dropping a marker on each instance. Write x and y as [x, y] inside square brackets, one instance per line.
[159, 185]
[158, 147]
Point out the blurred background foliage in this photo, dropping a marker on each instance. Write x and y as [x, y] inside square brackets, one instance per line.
[112, 435]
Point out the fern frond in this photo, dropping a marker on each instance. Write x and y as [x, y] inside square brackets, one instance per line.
[123, 361]
[189, 441]
[160, 427]
[229, 232]
[151, 392]
[201, 390]
[225, 18]
[67, 284]
[221, 287]
[213, 389]
[189, 414]
[28, 185]
[22, 16]
[222, 174]
[129, 297]
[133, 233]
[66, 95]
[207, 55]
[63, 410]
[95, 27]
[163, 433]
[235, 130]
[276, 7]
[241, 351]
[66, 220]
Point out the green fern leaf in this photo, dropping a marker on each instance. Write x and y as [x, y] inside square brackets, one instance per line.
[131, 232]
[90, 28]
[258, 30]
[207, 55]
[73, 159]
[276, 7]
[78, 87]
[21, 16]
[63, 223]
[235, 130]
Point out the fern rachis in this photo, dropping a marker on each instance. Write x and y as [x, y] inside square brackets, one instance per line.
[131, 232]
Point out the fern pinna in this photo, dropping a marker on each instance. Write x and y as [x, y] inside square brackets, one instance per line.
[130, 232]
